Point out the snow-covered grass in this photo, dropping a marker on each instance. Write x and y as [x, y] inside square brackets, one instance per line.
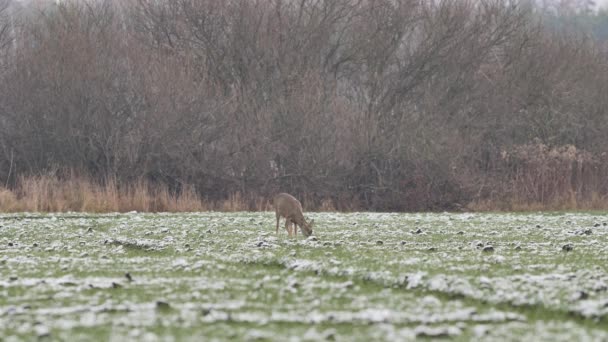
[363, 276]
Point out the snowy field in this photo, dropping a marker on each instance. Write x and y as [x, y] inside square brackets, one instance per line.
[363, 277]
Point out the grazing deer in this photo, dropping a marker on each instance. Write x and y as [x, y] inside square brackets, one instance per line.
[291, 209]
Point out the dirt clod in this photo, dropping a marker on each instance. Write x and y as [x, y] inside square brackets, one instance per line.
[488, 249]
[162, 305]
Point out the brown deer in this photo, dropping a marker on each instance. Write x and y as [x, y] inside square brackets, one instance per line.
[291, 209]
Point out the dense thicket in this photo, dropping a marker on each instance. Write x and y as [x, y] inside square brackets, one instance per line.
[373, 104]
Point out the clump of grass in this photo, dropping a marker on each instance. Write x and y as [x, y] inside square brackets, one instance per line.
[8, 200]
[136, 245]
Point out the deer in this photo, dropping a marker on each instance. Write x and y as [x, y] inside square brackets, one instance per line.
[290, 208]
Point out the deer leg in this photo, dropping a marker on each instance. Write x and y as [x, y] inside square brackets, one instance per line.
[287, 227]
[278, 216]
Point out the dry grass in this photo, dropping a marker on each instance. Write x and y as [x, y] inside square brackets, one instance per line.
[538, 177]
[50, 194]
[595, 202]
[238, 202]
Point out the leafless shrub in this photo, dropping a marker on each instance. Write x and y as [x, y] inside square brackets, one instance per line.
[540, 173]
[5, 25]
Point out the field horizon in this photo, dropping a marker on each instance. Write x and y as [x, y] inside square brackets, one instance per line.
[50, 193]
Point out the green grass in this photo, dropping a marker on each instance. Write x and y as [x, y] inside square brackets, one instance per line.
[367, 277]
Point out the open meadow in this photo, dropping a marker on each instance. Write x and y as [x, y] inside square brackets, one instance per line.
[361, 277]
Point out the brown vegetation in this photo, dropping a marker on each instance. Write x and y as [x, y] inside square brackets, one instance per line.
[348, 104]
[49, 193]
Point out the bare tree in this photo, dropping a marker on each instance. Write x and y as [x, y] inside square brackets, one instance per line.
[6, 28]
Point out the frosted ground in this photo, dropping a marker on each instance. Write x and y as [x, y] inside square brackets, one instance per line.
[365, 276]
